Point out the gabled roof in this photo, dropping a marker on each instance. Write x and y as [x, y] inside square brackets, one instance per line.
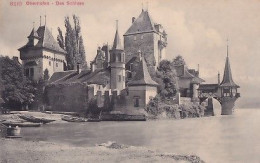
[227, 78]
[117, 42]
[101, 77]
[143, 23]
[142, 76]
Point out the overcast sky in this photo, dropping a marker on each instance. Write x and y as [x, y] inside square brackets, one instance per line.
[197, 30]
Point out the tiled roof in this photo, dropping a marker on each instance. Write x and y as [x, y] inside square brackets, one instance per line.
[46, 40]
[33, 34]
[101, 77]
[227, 78]
[142, 76]
[143, 23]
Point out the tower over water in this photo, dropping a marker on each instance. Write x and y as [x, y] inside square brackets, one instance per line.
[146, 36]
[229, 92]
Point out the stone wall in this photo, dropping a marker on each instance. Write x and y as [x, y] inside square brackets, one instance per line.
[143, 42]
[68, 97]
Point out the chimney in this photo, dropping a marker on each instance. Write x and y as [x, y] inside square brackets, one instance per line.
[78, 68]
[133, 19]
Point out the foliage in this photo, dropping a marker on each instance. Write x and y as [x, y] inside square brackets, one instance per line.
[167, 78]
[17, 91]
[73, 43]
[190, 110]
[93, 107]
[60, 38]
[178, 60]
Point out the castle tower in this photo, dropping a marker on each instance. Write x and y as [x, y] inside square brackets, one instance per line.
[228, 89]
[117, 63]
[41, 53]
[141, 87]
[147, 36]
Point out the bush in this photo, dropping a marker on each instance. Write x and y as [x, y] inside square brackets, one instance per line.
[160, 108]
[191, 110]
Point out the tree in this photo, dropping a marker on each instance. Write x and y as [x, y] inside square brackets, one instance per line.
[73, 43]
[178, 60]
[60, 39]
[166, 77]
[18, 91]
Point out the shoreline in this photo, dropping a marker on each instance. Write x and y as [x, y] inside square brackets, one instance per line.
[15, 150]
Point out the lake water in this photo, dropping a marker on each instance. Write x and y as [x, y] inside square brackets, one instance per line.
[222, 139]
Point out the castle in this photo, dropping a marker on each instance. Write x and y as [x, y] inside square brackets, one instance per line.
[118, 75]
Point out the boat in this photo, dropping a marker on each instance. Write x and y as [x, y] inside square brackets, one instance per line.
[21, 124]
[73, 119]
[94, 120]
[35, 119]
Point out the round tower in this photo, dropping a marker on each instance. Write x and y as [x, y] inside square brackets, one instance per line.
[117, 63]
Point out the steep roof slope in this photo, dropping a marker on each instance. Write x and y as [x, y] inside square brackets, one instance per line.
[143, 23]
[142, 76]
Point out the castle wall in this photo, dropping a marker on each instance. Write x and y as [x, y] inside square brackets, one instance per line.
[53, 62]
[68, 97]
[144, 42]
[143, 93]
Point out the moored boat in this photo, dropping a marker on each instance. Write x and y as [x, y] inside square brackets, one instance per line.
[35, 119]
[21, 124]
[74, 119]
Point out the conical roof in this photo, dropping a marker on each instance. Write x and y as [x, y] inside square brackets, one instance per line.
[117, 42]
[142, 76]
[227, 78]
[143, 23]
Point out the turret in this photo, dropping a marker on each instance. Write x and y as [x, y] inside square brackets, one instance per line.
[117, 63]
[228, 86]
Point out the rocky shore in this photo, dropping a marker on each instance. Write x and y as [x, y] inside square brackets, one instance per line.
[14, 150]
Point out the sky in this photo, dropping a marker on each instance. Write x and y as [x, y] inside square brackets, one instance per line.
[197, 30]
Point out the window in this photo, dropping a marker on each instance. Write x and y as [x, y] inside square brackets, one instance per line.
[119, 78]
[31, 72]
[134, 38]
[136, 101]
[49, 63]
[57, 64]
[142, 37]
[27, 72]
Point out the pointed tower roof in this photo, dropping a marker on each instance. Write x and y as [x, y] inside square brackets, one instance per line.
[33, 34]
[143, 23]
[142, 76]
[117, 42]
[47, 40]
[227, 78]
